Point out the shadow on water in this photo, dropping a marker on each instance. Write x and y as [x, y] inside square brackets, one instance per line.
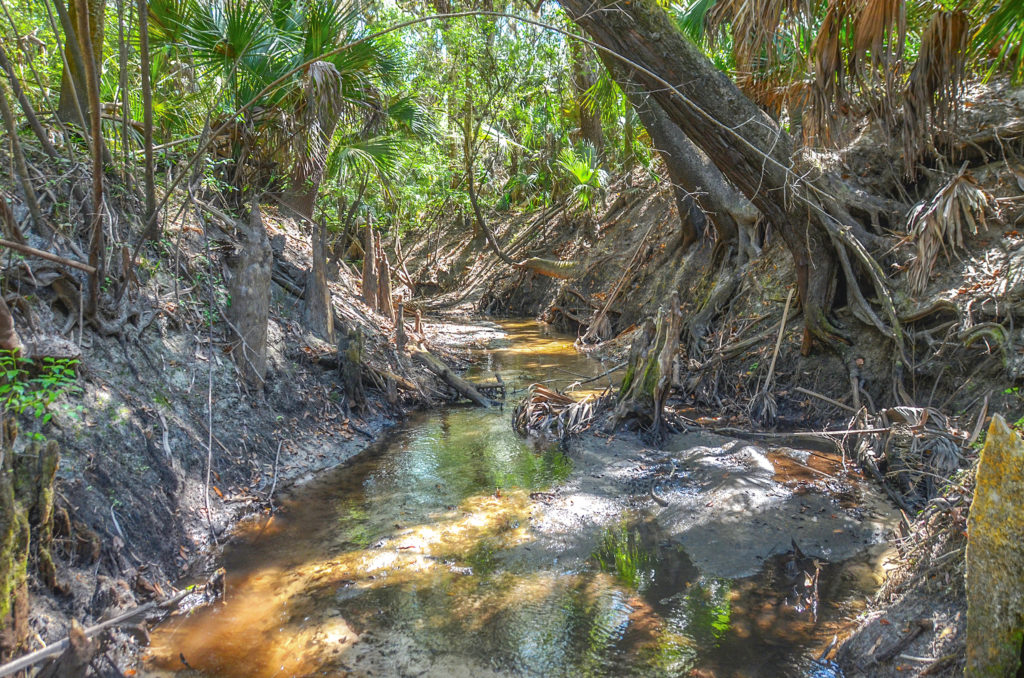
[398, 564]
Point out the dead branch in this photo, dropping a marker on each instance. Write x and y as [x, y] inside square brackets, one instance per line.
[49, 256]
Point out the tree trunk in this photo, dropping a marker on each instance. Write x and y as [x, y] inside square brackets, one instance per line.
[14, 550]
[250, 299]
[77, 55]
[92, 81]
[350, 364]
[318, 310]
[21, 167]
[583, 78]
[26, 105]
[702, 193]
[370, 268]
[746, 145]
[147, 118]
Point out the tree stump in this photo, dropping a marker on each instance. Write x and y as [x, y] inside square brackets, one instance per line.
[648, 377]
[14, 548]
[318, 312]
[350, 359]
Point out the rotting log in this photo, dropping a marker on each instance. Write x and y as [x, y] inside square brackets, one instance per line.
[463, 387]
[648, 378]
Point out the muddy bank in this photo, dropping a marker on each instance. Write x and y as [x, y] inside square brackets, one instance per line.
[161, 409]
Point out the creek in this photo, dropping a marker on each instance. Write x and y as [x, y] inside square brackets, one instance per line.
[452, 547]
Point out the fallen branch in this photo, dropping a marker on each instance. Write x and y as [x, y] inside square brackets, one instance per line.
[49, 256]
[463, 387]
[57, 648]
[828, 400]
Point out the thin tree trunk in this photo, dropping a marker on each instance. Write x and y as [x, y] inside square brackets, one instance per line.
[96, 244]
[583, 78]
[122, 85]
[369, 268]
[26, 105]
[21, 167]
[147, 115]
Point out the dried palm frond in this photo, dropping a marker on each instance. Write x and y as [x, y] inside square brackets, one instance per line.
[879, 31]
[828, 92]
[546, 412]
[935, 87]
[755, 26]
[938, 224]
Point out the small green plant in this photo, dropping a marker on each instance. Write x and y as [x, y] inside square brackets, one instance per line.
[22, 393]
[589, 179]
[619, 553]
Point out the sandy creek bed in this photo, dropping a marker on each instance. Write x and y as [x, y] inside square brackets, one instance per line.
[452, 547]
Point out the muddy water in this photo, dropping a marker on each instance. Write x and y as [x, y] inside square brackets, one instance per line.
[427, 555]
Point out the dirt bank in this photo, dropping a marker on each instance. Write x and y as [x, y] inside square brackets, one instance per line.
[162, 450]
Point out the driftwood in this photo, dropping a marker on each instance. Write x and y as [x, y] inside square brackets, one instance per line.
[463, 387]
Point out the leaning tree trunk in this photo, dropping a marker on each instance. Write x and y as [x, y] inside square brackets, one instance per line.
[702, 193]
[648, 377]
[746, 145]
[318, 310]
[250, 299]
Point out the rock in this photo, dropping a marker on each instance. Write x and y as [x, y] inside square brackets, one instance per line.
[995, 557]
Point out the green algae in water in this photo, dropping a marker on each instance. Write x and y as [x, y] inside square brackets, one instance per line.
[621, 555]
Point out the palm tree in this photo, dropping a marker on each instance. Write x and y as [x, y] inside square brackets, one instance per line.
[246, 44]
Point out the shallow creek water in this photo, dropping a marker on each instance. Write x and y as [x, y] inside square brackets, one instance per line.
[434, 553]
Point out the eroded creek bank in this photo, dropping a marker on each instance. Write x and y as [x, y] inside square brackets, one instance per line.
[453, 547]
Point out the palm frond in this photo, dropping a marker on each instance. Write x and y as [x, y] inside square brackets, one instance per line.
[880, 32]
[937, 225]
[692, 18]
[1001, 35]
[934, 89]
[407, 112]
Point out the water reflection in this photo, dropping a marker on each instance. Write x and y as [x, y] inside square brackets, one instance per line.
[400, 564]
